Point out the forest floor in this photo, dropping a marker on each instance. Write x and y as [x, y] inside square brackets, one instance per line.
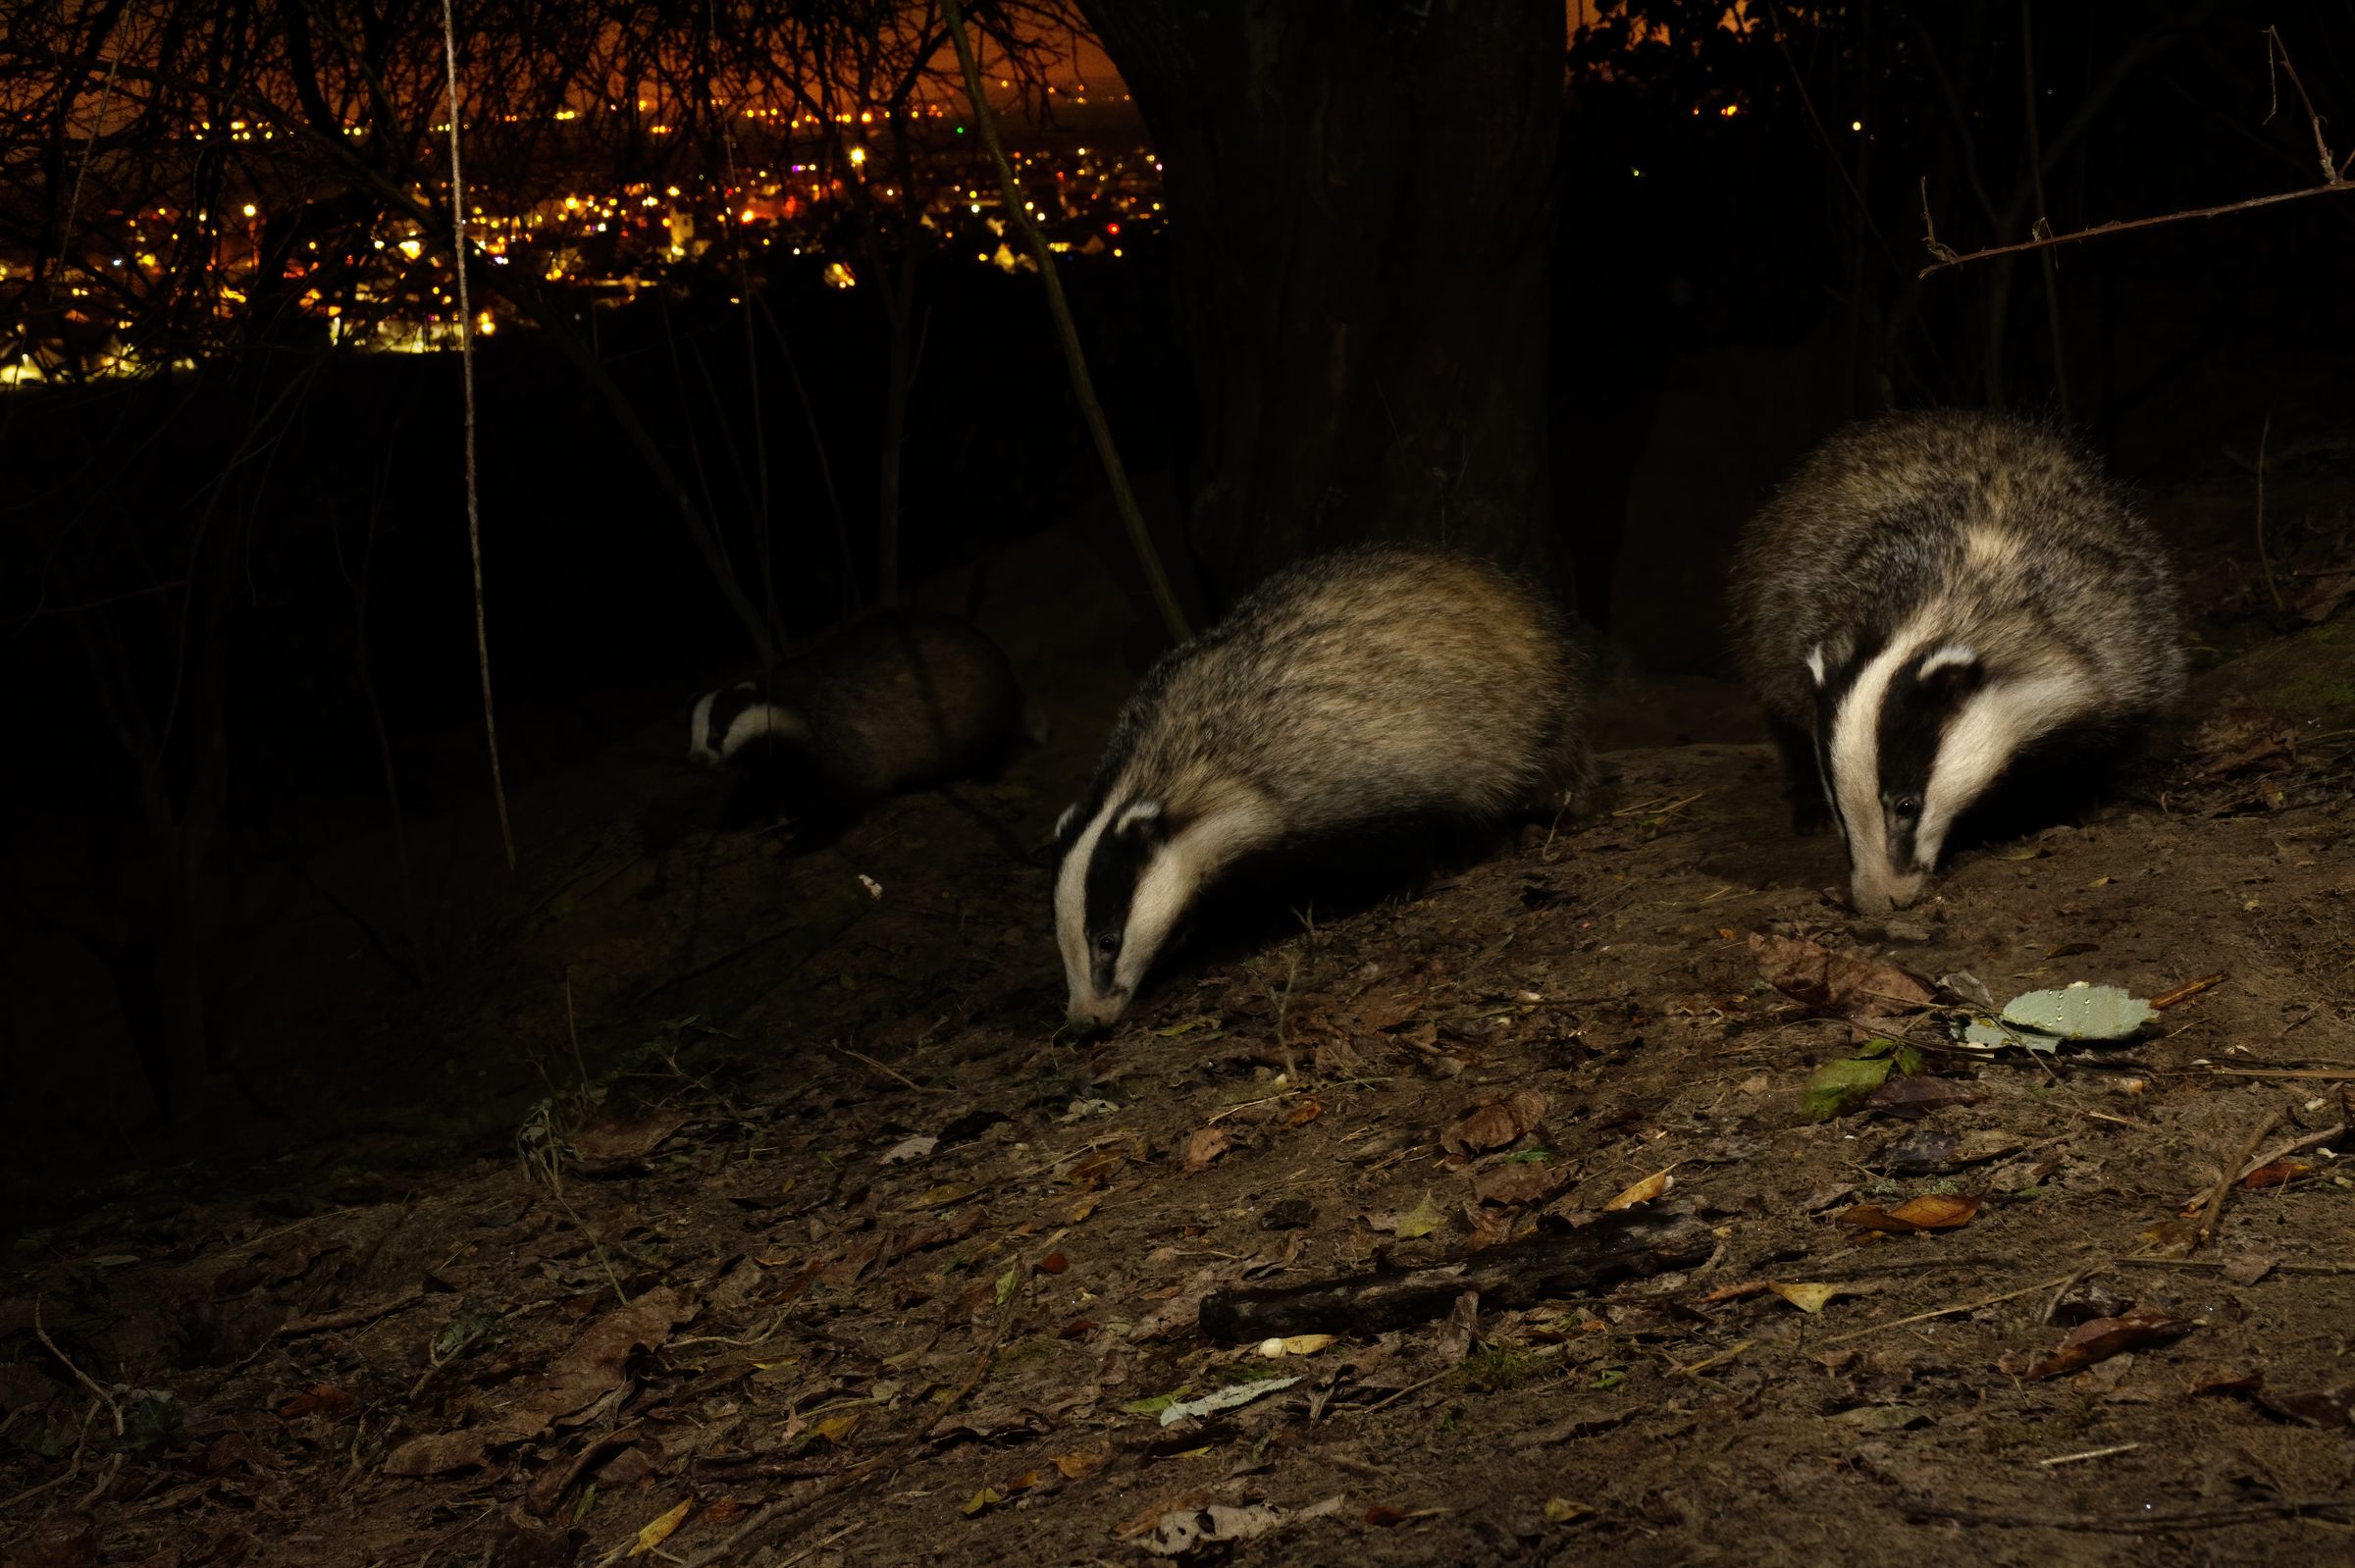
[787, 1228]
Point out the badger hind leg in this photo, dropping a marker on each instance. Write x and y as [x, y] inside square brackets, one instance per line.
[1802, 779]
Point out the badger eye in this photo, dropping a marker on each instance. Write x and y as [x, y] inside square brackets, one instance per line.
[1108, 942]
[1908, 806]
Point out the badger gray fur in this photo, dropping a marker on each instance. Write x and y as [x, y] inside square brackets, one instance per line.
[892, 702]
[1385, 685]
[1936, 603]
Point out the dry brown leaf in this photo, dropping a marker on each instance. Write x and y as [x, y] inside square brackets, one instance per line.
[1833, 982]
[2279, 1173]
[1495, 1125]
[1301, 1114]
[1643, 1191]
[1930, 1212]
[1078, 1466]
[2104, 1337]
[1205, 1147]
[626, 1140]
[836, 1428]
[1518, 1183]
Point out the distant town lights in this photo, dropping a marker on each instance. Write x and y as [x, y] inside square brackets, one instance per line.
[858, 156]
[250, 209]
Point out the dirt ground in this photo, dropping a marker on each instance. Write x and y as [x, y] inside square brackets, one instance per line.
[764, 1218]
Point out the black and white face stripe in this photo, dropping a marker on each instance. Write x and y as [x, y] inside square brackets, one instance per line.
[1109, 914]
[728, 720]
[1132, 868]
[1911, 729]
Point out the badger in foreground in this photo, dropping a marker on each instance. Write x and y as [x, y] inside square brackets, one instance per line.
[1378, 690]
[892, 702]
[1939, 605]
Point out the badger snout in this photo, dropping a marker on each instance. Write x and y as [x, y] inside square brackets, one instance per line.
[1095, 1014]
[1878, 892]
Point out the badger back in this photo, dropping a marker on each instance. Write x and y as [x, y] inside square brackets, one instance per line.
[904, 699]
[1387, 680]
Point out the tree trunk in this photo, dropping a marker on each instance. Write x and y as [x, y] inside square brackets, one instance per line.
[1361, 201]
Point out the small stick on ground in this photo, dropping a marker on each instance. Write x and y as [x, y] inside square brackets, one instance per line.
[113, 1409]
[2054, 1284]
[2186, 991]
[2090, 1453]
[2264, 560]
[879, 1066]
[2224, 1183]
[2286, 1148]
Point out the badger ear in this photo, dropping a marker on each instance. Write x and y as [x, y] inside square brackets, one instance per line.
[1951, 671]
[1066, 822]
[1146, 821]
[1815, 664]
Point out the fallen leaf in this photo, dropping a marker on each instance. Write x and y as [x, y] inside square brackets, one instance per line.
[658, 1531]
[1929, 1212]
[1301, 1114]
[1186, 1530]
[908, 1150]
[2105, 1338]
[1495, 1125]
[1078, 1466]
[594, 1366]
[1643, 1191]
[2331, 1410]
[1298, 1344]
[836, 1428]
[2247, 1268]
[1832, 982]
[2080, 1012]
[1425, 1218]
[1918, 1094]
[1226, 1398]
[1562, 1511]
[1053, 1263]
[1811, 1298]
[1206, 1145]
[987, 1497]
[1837, 1087]
[1516, 1183]
[626, 1140]
[2279, 1173]
[1383, 1514]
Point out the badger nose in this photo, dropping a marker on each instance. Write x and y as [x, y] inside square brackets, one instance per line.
[1095, 1015]
[1880, 894]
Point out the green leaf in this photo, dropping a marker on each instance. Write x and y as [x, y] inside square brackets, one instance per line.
[2080, 1012]
[1839, 1087]
[1909, 1062]
[1155, 1405]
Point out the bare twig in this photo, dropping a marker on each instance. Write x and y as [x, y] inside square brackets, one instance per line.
[2105, 230]
[879, 1066]
[89, 1382]
[2092, 1453]
[474, 509]
[1083, 386]
[2277, 51]
[2264, 434]
[2224, 1183]
[2054, 1284]
[2283, 1150]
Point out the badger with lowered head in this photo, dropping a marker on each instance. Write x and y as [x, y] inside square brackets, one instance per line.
[893, 701]
[1941, 604]
[1384, 687]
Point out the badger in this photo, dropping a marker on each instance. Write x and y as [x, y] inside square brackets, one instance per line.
[1383, 689]
[1941, 608]
[892, 702]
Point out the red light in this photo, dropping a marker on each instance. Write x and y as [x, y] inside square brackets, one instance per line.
[1111, 228]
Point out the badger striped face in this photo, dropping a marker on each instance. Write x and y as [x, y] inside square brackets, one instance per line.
[1118, 894]
[728, 720]
[1909, 733]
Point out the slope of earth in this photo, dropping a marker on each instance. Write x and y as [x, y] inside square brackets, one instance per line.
[811, 1241]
